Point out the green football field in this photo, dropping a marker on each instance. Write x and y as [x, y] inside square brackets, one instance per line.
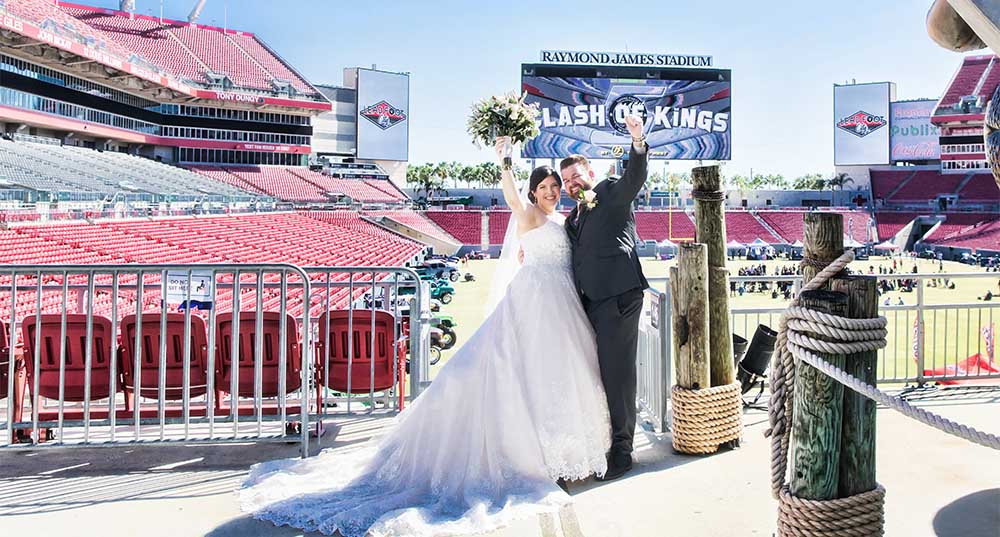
[950, 334]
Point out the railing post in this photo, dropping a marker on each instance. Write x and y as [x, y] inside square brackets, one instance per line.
[920, 332]
[421, 342]
[666, 367]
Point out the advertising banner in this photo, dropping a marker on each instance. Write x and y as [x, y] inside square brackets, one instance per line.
[912, 136]
[861, 123]
[687, 112]
[383, 115]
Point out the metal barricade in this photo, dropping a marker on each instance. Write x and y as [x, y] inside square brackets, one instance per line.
[926, 342]
[122, 357]
[358, 296]
[653, 362]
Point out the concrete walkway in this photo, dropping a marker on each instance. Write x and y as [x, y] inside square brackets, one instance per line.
[937, 486]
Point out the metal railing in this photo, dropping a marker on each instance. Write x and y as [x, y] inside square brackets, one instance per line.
[926, 342]
[653, 362]
[396, 290]
[77, 340]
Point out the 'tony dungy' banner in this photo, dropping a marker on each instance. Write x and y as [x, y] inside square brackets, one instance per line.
[686, 111]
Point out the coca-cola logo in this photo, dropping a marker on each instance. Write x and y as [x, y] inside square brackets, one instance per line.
[921, 150]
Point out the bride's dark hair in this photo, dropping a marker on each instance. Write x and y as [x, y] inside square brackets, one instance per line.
[538, 175]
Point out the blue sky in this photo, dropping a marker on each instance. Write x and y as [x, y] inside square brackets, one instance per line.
[785, 56]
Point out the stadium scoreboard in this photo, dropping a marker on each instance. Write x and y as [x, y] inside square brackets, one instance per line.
[686, 111]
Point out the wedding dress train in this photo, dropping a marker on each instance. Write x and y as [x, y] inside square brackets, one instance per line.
[518, 406]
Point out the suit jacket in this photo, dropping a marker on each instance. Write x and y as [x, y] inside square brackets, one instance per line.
[605, 262]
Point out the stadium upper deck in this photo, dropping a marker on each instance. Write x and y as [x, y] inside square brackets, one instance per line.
[191, 95]
[166, 90]
[169, 61]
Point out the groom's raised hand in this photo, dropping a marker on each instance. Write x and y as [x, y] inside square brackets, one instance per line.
[634, 125]
[627, 188]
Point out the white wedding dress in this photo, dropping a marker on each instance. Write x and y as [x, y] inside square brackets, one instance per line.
[518, 406]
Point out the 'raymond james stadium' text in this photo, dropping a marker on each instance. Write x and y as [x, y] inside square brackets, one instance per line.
[626, 58]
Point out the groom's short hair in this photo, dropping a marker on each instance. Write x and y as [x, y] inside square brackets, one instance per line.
[574, 159]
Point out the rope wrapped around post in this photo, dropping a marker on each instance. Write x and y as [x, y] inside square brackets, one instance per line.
[707, 418]
[860, 514]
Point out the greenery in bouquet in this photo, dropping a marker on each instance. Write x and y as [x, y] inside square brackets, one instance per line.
[507, 115]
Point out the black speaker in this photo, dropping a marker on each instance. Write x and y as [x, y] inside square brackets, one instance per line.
[757, 358]
[739, 347]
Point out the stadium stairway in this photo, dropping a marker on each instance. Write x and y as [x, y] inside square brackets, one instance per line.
[765, 225]
[900, 186]
[414, 226]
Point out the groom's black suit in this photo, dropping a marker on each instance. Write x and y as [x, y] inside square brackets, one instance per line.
[610, 282]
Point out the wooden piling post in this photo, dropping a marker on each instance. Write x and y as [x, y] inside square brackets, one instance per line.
[817, 415]
[824, 241]
[689, 305]
[857, 444]
[710, 229]
[818, 407]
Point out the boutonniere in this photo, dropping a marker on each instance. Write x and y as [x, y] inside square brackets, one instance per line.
[587, 198]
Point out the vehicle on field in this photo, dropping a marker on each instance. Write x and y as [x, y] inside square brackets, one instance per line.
[447, 325]
[441, 269]
[969, 259]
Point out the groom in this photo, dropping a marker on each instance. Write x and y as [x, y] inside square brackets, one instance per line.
[610, 280]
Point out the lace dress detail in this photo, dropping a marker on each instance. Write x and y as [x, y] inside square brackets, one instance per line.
[518, 406]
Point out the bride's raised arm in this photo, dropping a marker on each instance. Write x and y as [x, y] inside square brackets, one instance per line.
[518, 208]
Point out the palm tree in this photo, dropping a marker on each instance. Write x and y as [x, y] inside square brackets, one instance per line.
[468, 175]
[424, 178]
[838, 180]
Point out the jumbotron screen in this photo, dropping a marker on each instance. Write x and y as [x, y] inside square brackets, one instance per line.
[687, 112]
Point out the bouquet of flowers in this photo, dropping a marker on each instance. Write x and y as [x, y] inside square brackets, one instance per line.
[508, 115]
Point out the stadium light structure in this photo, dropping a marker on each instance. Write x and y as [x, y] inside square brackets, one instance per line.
[196, 11]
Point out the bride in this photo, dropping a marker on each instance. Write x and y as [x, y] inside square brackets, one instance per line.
[517, 408]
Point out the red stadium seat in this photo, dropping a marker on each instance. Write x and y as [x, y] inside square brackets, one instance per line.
[926, 184]
[338, 343]
[966, 79]
[75, 350]
[981, 187]
[182, 49]
[4, 360]
[417, 221]
[498, 226]
[270, 354]
[466, 226]
[174, 359]
[890, 223]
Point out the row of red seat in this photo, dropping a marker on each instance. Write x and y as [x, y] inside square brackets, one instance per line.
[955, 222]
[370, 368]
[923, 186]
[328, 238]
[981, 236]
[741, 226]
[301, 184]
[62, 22]
[183, 49]
[966, 79]
[889, 223]
[465, 226]
[788, 224]
[415, 220]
